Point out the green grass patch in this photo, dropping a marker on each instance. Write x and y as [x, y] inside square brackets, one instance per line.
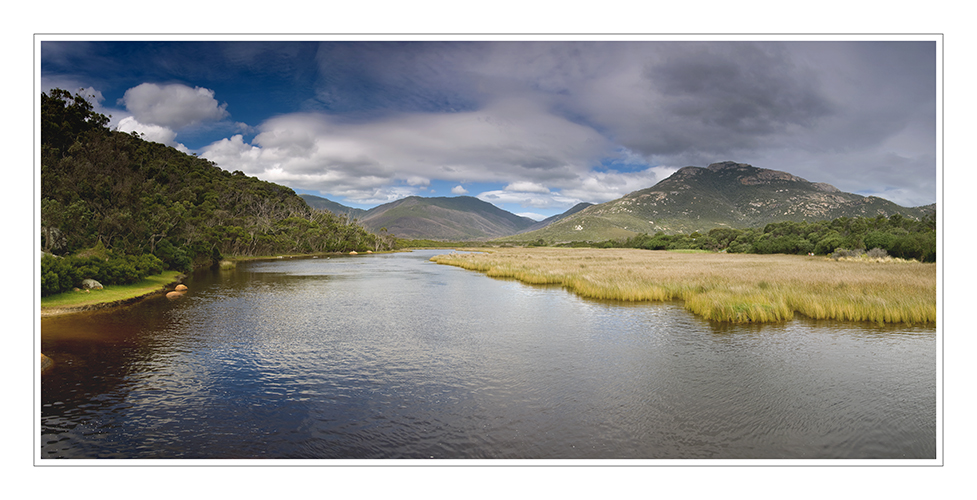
[112, 293]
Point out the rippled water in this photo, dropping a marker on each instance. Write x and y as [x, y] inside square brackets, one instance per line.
[392, 356]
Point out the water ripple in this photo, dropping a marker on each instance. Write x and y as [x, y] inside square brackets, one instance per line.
[391, 356]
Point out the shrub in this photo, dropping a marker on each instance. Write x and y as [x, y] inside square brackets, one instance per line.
[841, 253]
[877, 253]
[62, 274]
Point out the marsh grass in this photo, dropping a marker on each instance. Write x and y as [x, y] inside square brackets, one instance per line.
[726, 287]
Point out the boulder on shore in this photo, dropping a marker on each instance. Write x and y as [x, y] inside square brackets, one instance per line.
[175, 295]
[46, 362]
[353, 252]
[181, 287]
[91, 284]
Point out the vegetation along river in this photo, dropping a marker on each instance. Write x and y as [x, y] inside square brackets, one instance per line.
[393, 356]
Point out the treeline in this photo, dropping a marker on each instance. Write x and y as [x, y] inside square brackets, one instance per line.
[899, 236]
[61, 274]
[404, 243]
[135, 197]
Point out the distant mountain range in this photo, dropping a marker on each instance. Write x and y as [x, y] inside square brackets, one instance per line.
[461, 218]
[726, 194]
[336, 208]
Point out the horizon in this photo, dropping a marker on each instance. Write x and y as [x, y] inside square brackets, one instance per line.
[533, 127]
[533, 216]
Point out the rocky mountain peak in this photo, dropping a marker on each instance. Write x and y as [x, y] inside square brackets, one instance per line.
[728, 165]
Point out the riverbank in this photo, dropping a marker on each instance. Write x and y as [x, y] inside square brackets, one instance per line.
[119, 295]
[738, 288]
[111, 296]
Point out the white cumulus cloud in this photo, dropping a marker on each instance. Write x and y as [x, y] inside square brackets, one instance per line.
[511, 141]
[154, 133]
[174, 106]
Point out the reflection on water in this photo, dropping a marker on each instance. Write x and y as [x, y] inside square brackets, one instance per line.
[392, 356]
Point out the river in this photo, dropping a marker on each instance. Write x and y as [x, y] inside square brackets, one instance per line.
[394, 357]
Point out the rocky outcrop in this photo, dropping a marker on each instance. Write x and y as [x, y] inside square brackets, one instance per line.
[46, 362]
[90, 284]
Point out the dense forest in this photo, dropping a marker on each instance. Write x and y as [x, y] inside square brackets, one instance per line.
[896, 235]
[108, 196]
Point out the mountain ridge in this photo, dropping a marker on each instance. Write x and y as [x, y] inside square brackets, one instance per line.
[724, 194]
[444, 218]
[721, 195]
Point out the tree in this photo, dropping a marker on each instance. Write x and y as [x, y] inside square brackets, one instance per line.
[64, 118]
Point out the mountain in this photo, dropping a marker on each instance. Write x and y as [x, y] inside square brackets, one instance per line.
[320, 203]
[549, 220]
[456, 218]
[726, 194]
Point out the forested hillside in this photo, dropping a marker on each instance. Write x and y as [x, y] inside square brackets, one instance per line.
[102, 188]
[894, 236]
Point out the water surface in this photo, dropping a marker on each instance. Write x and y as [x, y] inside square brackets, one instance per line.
[392, 356]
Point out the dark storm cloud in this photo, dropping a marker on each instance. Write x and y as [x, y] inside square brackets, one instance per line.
[705, 99]
[739, 90]
[385, 77]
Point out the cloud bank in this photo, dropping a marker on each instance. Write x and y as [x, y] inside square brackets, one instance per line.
[537, 124]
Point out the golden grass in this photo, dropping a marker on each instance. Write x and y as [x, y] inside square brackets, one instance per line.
[726, 287]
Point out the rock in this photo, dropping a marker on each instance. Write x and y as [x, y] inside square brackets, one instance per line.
[175, 295]
[181, 287]
[353, 252]
[46, 362]
[369, 251]
[91, 284]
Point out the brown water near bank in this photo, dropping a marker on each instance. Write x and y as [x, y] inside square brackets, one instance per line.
[396, 357]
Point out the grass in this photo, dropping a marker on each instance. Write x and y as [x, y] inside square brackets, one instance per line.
[726, 287]
[109, 294]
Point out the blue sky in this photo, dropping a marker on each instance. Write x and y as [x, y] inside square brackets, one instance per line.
[533, 127]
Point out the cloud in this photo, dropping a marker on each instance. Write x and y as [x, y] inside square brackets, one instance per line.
[550, 121]
[174, 106]
[527, 187]
[599, 187]
[370, 160]
[532, 215]
[527, 199]
[154, 133]
[459, 190]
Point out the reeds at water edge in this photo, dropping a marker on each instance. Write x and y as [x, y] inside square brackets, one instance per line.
[726, 287]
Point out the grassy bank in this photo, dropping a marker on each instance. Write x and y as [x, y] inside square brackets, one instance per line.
[72, 301]
[726, 287]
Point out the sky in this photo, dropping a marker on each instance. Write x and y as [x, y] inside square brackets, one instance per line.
[532, 126]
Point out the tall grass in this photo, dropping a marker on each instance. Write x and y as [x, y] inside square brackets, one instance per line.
[726, 287]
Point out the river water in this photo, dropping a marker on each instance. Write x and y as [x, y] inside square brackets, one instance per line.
[393, 356]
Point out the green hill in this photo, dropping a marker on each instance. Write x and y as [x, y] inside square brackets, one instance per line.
[723, 195]
[107, 189]
[320, 203]
[458, 218]
[549, 220]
